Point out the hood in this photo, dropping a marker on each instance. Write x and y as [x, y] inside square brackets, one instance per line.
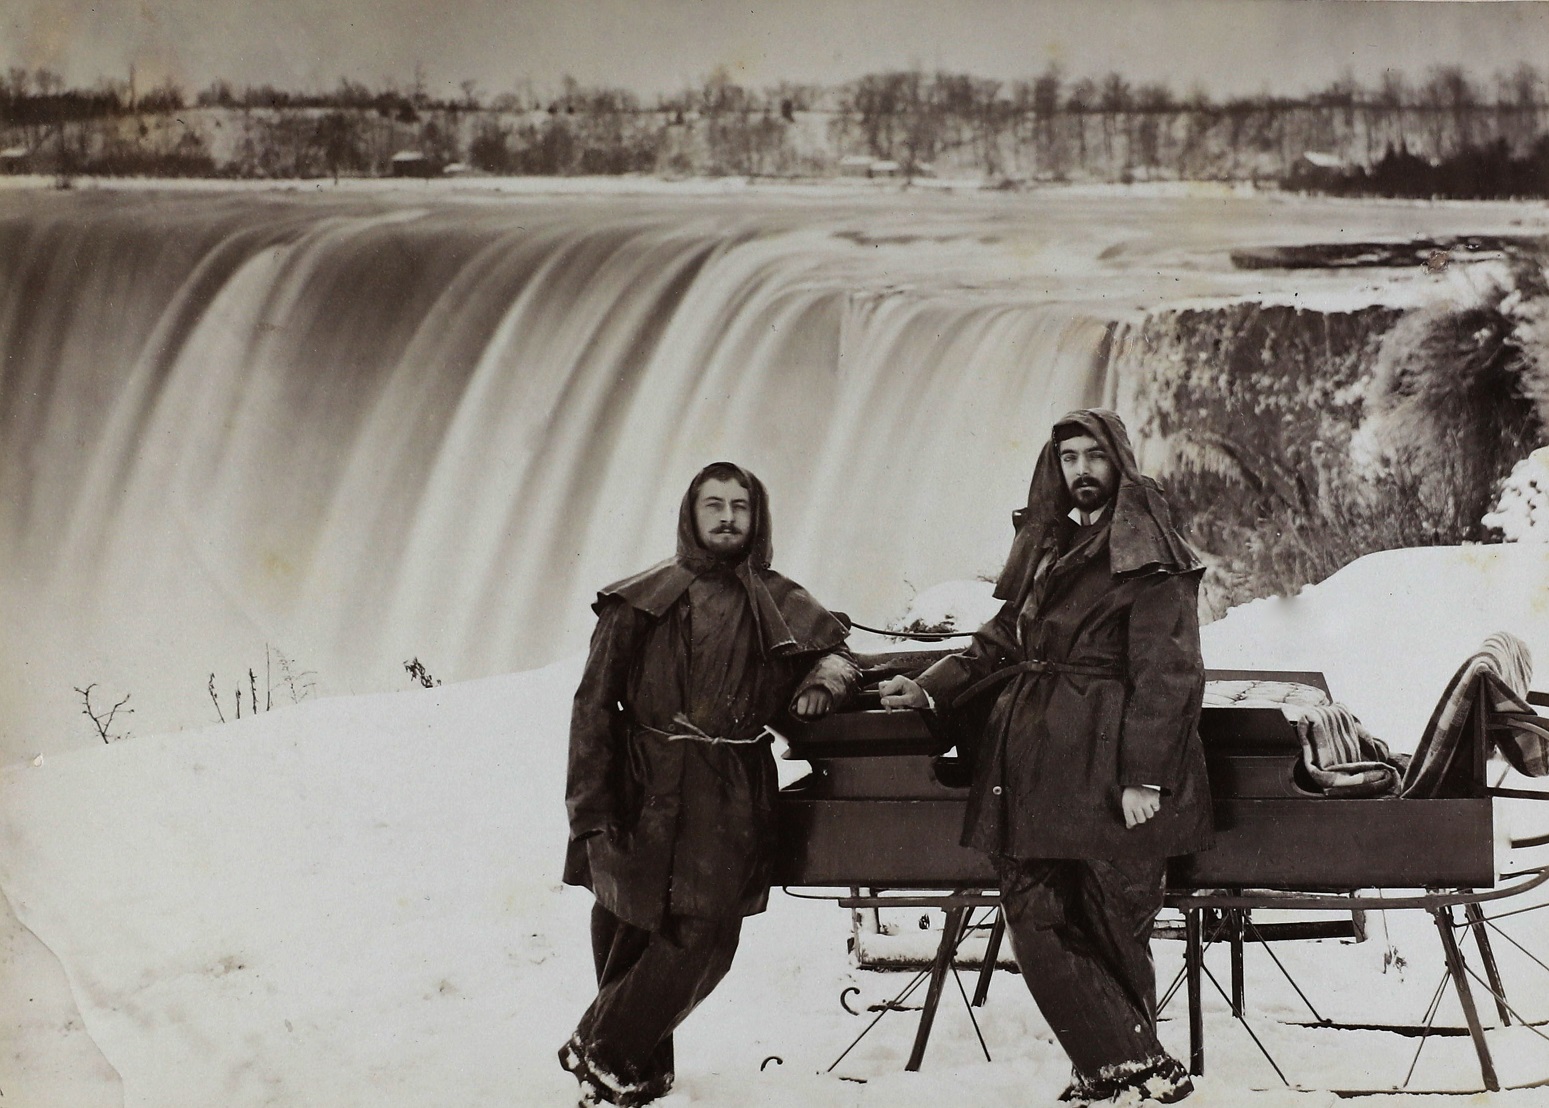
[760, 549]
[788, 619]
[1141, 535]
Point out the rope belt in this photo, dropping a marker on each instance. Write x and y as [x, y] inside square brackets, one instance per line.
[1036, 666]
[692, 732]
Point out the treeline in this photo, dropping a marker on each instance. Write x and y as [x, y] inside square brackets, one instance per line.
[1488, 172]
[906, 123]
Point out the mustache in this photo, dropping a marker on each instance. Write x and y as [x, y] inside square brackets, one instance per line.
[727, 529]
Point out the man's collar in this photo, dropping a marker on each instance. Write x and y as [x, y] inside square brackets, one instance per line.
[1081, 519]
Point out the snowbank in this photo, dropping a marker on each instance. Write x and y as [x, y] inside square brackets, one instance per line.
[354, 901]
[357, 901]
[1389, 629]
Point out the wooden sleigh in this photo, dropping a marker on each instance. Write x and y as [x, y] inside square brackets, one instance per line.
[880, 814]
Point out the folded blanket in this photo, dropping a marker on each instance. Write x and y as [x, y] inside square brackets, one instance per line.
[1501, 669]
[1341, 757]
[1261, 694]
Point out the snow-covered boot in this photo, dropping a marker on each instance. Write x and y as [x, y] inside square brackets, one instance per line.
[1168, 1083]
[617, 1090]
[656, 1086]
[1088, 1091]
[591, 1095]
[601, 1086]
[1164, 1081]
[1081, 1093]
[571, 1058]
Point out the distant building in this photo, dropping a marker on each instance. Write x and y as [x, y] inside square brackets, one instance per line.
[1317, 170]
[859, 165]
[411, 163]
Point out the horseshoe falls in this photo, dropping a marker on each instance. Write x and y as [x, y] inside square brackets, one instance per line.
[358, 433]
[267, 442]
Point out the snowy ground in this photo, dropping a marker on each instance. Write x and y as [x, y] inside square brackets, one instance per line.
[356, 902]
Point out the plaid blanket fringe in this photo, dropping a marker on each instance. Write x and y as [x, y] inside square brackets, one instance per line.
[1503, 668]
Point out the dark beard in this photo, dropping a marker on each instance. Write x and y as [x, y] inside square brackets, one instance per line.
[708, 561]
[1089, 498]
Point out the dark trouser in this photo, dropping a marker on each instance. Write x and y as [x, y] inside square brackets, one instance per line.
[647, 982]
[1081, 932]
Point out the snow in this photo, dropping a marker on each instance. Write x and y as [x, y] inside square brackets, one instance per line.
[954, 605]
[1521, 512]
[357, 901]
[1388, 630]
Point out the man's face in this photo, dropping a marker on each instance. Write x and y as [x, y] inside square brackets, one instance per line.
[723, 514]
[1090, 474]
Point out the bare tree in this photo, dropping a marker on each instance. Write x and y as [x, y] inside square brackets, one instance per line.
[1082, 99]
[102, 722]
[1154, 103]
[417, 94]
[1046, 110]
[1449, 99]
[299, 682]
[46, 81]
[1114, 99]
[1393, 96]
[1199, 122]
[1517, 98]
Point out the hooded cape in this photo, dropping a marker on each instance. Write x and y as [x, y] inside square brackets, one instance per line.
[1141, 537]
[789, 620]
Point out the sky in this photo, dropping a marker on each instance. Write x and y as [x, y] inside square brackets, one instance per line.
[1228, 47]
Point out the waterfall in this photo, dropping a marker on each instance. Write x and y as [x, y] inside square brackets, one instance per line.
[364, 429]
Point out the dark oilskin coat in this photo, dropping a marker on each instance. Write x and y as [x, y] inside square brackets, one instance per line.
[663, 824]
[1059, 748]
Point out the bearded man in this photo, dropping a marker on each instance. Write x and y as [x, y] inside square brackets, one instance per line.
[1090, 772]
[671, 779]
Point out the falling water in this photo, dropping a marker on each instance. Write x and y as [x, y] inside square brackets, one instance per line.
[361, 429]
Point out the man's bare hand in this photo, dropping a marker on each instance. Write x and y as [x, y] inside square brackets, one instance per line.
[1140, 803]
[902, 692]
[813, 703]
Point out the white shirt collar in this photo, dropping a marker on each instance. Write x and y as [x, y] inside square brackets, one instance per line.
[1096, 517]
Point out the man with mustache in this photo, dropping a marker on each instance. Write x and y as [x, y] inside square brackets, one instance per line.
[671, 780]
[1090, 772]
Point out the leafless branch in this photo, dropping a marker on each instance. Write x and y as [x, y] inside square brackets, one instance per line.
[100, 721]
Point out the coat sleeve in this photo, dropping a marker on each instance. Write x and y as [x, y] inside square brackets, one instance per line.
[1167, 681]
[994, 646]
[596, 757]
[835, 671]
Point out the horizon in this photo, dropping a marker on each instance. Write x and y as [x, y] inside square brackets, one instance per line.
[1226, 48]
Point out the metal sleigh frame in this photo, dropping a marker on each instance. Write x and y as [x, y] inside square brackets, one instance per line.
[1224, 915]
